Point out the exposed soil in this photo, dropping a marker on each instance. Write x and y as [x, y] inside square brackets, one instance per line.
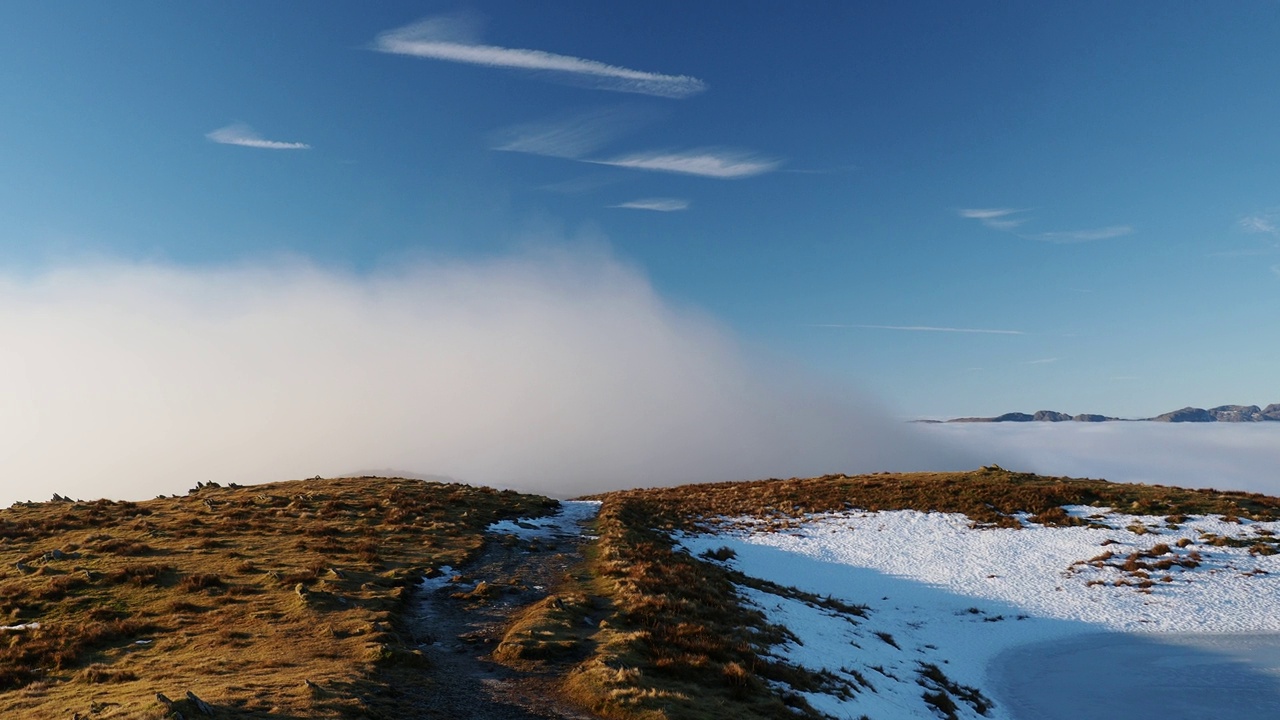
[459, 628]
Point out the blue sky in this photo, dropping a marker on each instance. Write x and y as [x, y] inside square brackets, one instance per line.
[959, 208]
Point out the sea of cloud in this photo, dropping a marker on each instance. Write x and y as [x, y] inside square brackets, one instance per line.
[555, 370]
[1226, 456]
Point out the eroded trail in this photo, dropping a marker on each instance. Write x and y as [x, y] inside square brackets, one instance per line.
[461, 617]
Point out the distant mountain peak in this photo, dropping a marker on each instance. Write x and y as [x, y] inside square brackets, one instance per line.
[1221, 413]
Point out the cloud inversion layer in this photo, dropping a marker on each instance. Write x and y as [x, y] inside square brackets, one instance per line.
[439, 39]
[1227, 456]
[559, 372]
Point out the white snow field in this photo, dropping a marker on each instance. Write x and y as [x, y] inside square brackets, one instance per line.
[1042, 622]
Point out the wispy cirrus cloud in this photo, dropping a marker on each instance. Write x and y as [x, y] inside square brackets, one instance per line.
[1246, 252]
[582, 184]
[707, 162]
[245, 136]
[1266, 222]
[1041, 361]
[447, 38]
[571, 136]
[997, 218]
[655, 204]
[1080, 236]
[921, 328]
[1276, 269]
[576, 137]
[1001, 219]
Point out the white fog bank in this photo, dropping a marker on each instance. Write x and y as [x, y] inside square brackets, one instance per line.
[1226, 456]
[557, 371]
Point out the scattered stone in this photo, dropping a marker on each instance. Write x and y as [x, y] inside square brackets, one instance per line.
[203, 707]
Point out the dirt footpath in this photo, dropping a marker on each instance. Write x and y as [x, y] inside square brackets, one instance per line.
[457, 627]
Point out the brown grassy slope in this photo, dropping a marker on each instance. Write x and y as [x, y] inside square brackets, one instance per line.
[270, 601]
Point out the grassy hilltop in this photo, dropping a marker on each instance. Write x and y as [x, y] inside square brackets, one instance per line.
[270, 601]
[287, 600]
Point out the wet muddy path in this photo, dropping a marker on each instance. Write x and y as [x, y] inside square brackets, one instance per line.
[458, 621]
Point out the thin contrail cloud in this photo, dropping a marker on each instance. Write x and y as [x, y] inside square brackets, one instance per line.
[438, 38]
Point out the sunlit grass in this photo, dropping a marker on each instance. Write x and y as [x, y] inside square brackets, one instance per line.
[279, 600]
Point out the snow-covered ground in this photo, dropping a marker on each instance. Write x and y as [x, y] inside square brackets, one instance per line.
[566, 522]
[940, 593]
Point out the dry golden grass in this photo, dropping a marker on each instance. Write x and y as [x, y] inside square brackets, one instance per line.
[270, 601]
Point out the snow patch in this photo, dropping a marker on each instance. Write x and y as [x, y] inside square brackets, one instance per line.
[566, 522]
[944, 594]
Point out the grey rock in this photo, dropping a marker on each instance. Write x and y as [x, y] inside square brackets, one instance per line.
[200, 705]
[1237, 413]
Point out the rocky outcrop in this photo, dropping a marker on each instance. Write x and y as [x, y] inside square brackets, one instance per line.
[1237, 413]
[1050, 416]
[1186, 414]
[1223, 413]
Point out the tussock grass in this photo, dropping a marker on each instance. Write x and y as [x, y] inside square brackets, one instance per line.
[554, 632]
[678, 643]
[270, 601]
